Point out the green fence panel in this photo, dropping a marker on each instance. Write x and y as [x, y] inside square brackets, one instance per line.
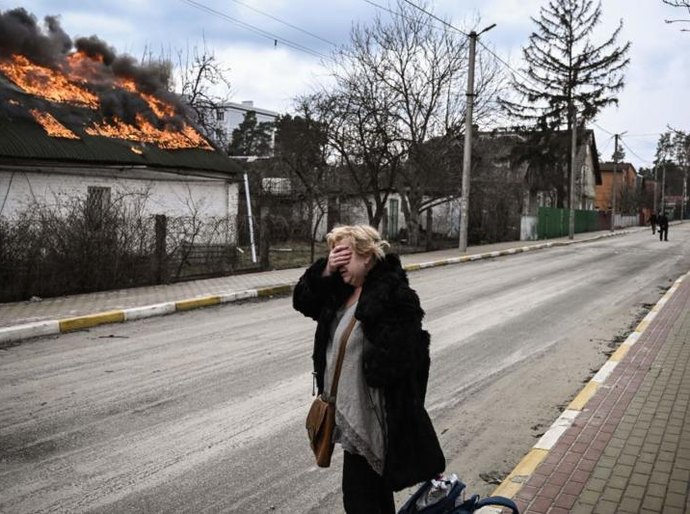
[549, 223]
[553, 222]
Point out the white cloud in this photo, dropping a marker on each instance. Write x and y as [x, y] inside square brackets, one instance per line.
[105, 26]
[272, 78]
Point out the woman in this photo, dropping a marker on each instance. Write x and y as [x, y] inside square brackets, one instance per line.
[388, 440]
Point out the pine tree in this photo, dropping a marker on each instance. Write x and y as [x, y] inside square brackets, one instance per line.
[565, 68]
[251, 137]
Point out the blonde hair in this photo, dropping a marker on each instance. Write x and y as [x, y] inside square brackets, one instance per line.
[366, 240]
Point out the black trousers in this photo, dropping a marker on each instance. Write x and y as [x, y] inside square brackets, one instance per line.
[663, 234]
[363, 489]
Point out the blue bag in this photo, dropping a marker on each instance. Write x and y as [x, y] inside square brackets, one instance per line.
[445, 495]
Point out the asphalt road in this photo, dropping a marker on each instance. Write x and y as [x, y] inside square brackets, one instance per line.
[203, 411]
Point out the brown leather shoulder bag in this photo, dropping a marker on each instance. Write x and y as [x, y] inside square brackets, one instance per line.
[321, 418]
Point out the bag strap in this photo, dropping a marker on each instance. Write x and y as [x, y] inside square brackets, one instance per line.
[475, 503]
[500, 501]
[341, 356]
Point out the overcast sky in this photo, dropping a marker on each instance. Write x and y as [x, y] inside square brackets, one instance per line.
[271, 74]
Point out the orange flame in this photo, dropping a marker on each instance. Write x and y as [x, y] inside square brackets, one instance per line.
[83, 68]
[46, 83]
[66, 85]
[160, 108]
[145, 132]
[52, 126]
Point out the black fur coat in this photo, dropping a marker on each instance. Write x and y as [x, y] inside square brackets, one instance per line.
[396, 359]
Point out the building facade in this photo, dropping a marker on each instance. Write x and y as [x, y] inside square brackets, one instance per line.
[625, 183]
[228, 116]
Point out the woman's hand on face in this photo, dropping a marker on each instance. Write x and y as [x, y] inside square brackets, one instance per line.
[339, 256]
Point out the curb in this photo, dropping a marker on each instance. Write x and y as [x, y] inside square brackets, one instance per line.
[65, 325]
[62, 326]
[529, 463]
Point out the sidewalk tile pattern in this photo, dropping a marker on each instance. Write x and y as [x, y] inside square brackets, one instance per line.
[629, 450]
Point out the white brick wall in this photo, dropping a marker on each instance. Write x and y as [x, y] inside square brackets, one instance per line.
[169, 194]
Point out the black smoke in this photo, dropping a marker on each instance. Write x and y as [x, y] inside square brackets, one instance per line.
[47, 44]
[94, 47]
[21, 34]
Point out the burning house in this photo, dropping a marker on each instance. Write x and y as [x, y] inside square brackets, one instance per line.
[78, 120]
[79, 123]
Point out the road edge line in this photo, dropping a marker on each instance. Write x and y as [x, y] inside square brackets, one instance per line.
[513, 483]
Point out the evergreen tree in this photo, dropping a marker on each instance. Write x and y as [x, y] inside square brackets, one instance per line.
[565, 68]
[251, 137]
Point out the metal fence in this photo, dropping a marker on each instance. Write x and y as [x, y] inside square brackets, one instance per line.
[44, 256]
[554, 222]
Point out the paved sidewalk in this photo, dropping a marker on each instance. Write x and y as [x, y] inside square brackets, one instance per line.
[623, 445]
[21, 313]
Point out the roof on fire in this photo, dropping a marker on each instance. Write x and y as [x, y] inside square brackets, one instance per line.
[25, 140]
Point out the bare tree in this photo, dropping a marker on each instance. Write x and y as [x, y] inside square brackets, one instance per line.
[204, 85]
[400, 86]
[682, 4]
[301, 151]
[357, 119]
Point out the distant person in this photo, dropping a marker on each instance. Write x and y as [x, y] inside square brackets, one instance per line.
[662, 220]
[653, 221]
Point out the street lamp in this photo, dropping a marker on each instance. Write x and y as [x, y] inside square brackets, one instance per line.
[467, 155]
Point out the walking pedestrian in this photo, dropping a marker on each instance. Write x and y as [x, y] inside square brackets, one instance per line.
[663, 226]
[388, 440]
[653, 222]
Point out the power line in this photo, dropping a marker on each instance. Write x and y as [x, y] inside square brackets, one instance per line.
[507, 65]
[632, 152]
[432, 15]
[603, 129]
[254, 29]
[608, 143]
[624, 143]
[516, 72]
[396, 13]
[650, 134]
[268, 15]
[501, 60]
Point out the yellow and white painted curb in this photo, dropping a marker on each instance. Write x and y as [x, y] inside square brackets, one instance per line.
[61, 326]
[526, 467]
[508, 251]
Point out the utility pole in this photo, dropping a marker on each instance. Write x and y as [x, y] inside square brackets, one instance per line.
[614, 192]
[573, 158]
[656, 164]
[250, 218]
[467, 153]
[685, 192]
[613, 185]
[663, 187]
